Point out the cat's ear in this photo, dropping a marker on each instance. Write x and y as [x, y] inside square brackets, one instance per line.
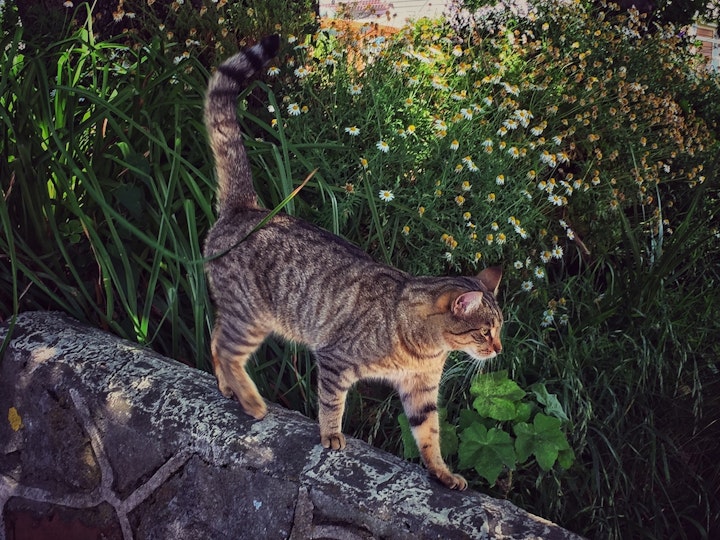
[467, 303]
[490, 277]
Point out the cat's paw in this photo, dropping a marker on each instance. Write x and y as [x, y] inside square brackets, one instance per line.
[459, 483]
[225, 390]
[255, 407]
[452, 481]
[334, 441]
[223, 385]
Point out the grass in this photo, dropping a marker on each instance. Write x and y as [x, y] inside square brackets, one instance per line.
[639, 379]
[107, 193]
[93, 173]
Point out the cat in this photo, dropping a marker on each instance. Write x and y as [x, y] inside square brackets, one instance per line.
[360, 319]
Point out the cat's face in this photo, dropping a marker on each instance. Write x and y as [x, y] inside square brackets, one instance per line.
[474, 325]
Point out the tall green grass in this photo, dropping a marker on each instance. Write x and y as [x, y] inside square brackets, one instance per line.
[104, 202]
[639, 377]
[107, 191]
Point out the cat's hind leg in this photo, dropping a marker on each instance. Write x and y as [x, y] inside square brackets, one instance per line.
[333, 386]
[232, 345]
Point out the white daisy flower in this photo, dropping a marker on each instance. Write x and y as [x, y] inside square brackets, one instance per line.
[386, 195]
[555, 199]
[548, 318]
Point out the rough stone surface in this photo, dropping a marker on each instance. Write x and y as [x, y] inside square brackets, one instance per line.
[102, 438]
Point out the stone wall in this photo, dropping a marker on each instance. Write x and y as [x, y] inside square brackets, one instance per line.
[100, 438]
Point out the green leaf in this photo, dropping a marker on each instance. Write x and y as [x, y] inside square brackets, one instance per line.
[524, 441]
[549, 401]
[546, 455]
[497, 396]
[543, 438]
[566, 458]
[487, 451]
[410, 449]
[550, 429]
[72, 230]
[467, 418]
[524, 412]
[495, 407]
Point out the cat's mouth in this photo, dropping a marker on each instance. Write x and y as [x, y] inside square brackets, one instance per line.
[482, 355]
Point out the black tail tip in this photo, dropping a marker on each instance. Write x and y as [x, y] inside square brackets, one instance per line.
[271, 44]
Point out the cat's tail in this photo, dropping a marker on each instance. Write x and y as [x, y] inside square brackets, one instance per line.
[234, 176]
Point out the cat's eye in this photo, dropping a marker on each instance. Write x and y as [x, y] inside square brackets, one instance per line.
[482, 335]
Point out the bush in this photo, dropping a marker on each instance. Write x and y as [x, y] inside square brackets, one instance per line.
[572, 149]
[203, 28]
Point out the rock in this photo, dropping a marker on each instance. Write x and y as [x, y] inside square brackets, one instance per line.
[99, 436]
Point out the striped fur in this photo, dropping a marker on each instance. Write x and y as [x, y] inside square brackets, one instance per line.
[361, 319]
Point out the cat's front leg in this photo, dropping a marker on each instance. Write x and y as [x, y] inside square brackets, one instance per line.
[419, 398]
[427, 437]
[332, 392]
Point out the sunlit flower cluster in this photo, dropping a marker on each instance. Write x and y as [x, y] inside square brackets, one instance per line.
[521, 145]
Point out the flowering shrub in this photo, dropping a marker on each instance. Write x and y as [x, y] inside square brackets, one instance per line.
[521, 145]
[210, 29]
[574, 149]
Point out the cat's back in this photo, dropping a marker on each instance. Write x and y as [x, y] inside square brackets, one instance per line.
[240, 236]
[307, 281]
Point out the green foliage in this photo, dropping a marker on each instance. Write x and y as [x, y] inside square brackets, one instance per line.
[516, 160]
[545, 440]
[94, 185]
[497, 396]
[482, 439]
[488, 451]
[549, 401]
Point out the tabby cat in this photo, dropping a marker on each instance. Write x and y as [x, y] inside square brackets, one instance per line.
[361, 319]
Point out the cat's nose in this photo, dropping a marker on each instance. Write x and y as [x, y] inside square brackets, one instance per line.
[497, 346]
